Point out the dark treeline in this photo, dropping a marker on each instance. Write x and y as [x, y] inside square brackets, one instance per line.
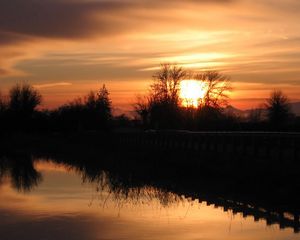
[19, 112]
[161, 108]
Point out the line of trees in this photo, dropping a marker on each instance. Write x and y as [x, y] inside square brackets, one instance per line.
[161, 108]
[92, 112]
[19, 112]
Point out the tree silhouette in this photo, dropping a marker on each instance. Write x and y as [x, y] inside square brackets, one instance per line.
[22, 104]
[24, 99]
[217, 88]
[98, 108]
[278, 108]
[91, 112]
[3, 105]
[103, 103]
[161, 108]
[141, 108]
[166, 83]
[163, 100]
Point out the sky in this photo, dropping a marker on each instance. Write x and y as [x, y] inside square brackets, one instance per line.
[65, 48]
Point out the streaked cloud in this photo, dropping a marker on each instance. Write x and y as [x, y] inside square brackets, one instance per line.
[76, 19]
[50, 85]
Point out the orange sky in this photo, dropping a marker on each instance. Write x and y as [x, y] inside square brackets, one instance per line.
[68, 47]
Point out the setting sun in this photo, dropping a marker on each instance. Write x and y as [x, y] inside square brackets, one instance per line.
[192, 92]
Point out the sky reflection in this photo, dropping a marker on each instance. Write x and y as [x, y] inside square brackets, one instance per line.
[62, 206]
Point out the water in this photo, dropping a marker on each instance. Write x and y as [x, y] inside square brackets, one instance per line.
[46, 199]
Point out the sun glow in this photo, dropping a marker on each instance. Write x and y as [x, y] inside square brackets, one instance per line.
[192, 92]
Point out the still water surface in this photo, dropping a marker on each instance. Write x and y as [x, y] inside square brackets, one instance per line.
[55, 201]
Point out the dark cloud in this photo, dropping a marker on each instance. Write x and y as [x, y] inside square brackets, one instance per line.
[9, 38]
[54, 18]
[74, 19]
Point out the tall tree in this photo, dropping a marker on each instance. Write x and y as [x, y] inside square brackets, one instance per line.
[163, 100]
[162, 107]
[103, 102]
[166, 83]
[217, 88]
[278, 108]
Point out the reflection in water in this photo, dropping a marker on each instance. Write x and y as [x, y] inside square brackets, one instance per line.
[110, 188]
[21, 172]
[122, 194]
[66, 201]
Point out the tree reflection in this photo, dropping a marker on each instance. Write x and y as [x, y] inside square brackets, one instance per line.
[21, 172]
[122, 192]
[2, 170]
[133, 182]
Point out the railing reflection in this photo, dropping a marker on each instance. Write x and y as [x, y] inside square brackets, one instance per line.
[121, 191]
